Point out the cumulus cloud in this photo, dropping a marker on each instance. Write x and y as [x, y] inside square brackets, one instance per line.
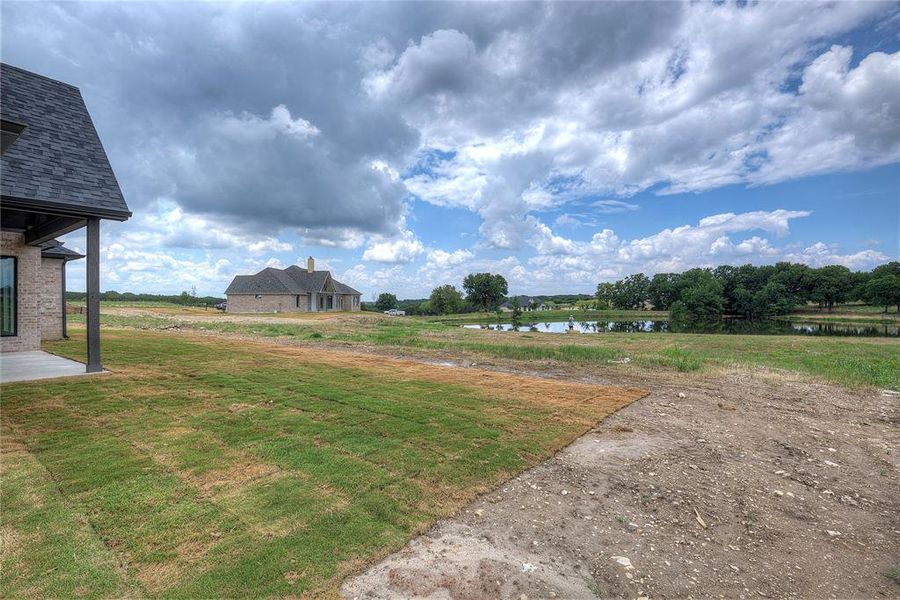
[442, 258]
[821, 254]
[708, 107]
[403, 249]
[245, 132]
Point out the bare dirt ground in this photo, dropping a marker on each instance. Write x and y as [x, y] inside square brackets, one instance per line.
[731, 486]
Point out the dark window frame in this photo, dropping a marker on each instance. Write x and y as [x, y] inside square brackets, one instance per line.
[15, 297]
[9, 131]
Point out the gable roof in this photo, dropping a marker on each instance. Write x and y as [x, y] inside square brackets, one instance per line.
[57, 161]
[292, 280]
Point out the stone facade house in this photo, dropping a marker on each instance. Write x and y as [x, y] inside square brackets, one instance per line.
[290, 290]
[54, 178]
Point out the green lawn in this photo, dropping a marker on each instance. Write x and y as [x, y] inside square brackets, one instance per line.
[848, 361]
[204, 467]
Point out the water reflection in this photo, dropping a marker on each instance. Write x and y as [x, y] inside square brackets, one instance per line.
[732, 326]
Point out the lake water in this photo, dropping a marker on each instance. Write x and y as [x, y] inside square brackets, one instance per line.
[733, 326]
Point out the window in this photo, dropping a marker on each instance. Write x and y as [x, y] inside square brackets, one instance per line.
[8, 282]
[9, 133]
[297, 301]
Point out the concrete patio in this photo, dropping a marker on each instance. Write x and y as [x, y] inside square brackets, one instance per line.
[30, 366]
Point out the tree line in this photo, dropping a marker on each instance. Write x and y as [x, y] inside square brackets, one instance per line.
[483, 292]
[185, 298]
[695, 295]
[752, 292]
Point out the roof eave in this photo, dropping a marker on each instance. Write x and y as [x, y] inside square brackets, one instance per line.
[63, 208]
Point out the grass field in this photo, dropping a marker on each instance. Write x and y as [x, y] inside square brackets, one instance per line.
[843, 360]
[209, 467]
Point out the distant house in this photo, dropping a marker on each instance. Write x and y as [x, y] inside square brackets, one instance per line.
[290, 290]
[526, 303]
[55, 178]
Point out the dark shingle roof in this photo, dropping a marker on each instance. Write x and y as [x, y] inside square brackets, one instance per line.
[55, 249]
[58, 160]
[292, 280]
[524, 301]
[343, 288]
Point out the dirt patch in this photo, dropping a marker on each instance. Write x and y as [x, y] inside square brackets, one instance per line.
[787, 489]
[238, 475]
[156, 577]
[194, 550]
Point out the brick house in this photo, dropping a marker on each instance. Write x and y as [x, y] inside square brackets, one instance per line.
[290, 290]
[55, 179]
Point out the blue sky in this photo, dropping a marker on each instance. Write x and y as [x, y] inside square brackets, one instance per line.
[405, 145]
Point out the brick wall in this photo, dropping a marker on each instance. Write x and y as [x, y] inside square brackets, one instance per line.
[249, 303]
[29, 296]
[345, 302]
[51, 298]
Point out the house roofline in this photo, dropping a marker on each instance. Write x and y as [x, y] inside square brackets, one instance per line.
[63, 208]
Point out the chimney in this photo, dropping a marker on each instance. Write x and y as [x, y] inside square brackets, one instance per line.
[310, 265]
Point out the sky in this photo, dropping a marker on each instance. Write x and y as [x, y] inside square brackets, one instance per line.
[406, 145]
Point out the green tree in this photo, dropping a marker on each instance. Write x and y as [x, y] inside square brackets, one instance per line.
[446, 300]
[772, 299]
[663, 290]
[386, 301]
[700, 299]
[831, 285]
[485, 290]
[516, 316]
[637, 291]
[425, 308]
[605, 294]
[632, 292]
[883, 290]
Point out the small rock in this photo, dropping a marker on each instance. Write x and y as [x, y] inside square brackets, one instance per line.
[623, 561]
[779, 493]
[681, 395]
[528, 568]
[832, 533]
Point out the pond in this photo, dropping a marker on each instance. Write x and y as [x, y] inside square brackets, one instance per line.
[733, 326]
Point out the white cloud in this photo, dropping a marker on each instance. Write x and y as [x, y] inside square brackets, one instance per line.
[398, 250]
[716, 239]
[711, 107]
[269, 245]
[248, 127]
[442, 258]
[821, 254]
[609, 207]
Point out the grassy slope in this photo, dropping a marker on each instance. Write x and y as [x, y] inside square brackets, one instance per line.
[204, 468]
